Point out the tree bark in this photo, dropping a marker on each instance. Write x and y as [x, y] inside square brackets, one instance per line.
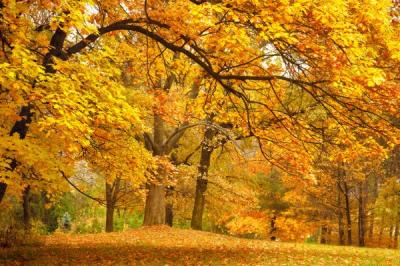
[202, 181]
[340, 217]
[27, 208]
[112, 191]
[109, 208]
[199, 203]
[154, 212]
[169, 214]
[361, 216]
[169, 210]
[348, 214]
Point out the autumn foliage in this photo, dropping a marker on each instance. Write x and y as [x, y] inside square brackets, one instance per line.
[260, 119]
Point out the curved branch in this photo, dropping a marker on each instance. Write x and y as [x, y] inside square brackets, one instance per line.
[80, 191]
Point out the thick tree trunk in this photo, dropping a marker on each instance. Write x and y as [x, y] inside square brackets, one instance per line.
[348, 214]
[199, 202]
[154, 212]
[27, 208]
[109, 219]
[202, 181]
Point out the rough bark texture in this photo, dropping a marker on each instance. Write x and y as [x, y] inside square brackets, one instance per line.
[154, 213]
[202, 181]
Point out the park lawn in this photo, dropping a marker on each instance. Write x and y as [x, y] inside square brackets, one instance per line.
[166, 246]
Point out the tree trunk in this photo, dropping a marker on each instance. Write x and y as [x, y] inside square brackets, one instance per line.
[112, 191]
[396, 234]
[381, 229]
[372, 217]
[202, 181]
[27, 208]
[20, 127]
[324, 235]
[340, 226]
[348, 214]
[361, 216]
[109, 219]
[154, 212]
[199, 202]
[340, 217]
[169, 210]
[272, 231]
[169, 214]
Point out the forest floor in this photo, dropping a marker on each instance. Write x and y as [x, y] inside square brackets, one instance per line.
[166, 246]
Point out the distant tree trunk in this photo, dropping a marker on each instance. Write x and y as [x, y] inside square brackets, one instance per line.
[361, 216]
[372, 216]
[202, 181]
[324, 234]
[381, 229]
[340, 217]
[396, 234]
[27, 208]
[390, 236]
[272, 231]
[169, 210]
[348, 214]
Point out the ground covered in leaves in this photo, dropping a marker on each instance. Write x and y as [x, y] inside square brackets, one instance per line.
[166, 246]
